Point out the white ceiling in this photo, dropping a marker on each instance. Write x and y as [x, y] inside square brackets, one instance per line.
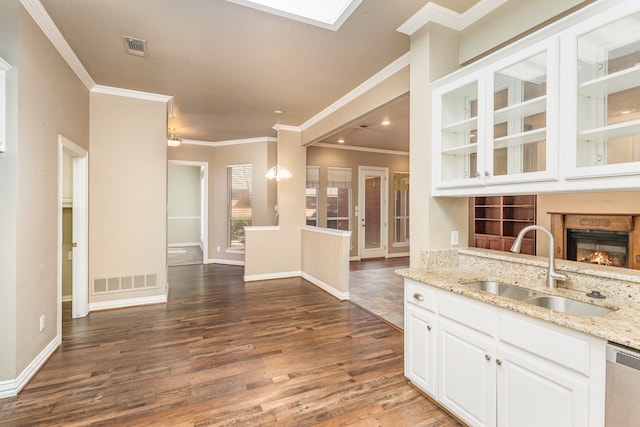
[229, 66]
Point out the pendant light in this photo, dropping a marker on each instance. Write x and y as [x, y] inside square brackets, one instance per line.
[174, 140]
[278, 172]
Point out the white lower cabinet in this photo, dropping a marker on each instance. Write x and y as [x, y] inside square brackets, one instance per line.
[494, 367]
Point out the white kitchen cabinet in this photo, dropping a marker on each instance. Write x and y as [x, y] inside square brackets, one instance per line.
[421, 332]
[558, 111]
[497, 125]
[493, 367]
[605, 89]
[467, 377]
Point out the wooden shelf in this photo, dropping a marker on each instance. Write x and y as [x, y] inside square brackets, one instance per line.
[499, 219]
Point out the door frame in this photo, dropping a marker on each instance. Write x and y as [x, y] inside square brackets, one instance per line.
[204, 200]
[80, 220]
[383, 172]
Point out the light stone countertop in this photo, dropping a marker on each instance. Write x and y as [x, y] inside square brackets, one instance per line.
[449, 269]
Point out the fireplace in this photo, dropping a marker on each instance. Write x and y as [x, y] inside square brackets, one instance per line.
[612, 240]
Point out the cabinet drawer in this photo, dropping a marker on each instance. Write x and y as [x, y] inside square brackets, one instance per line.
[551, 342]
[420, 294]
[474, 314]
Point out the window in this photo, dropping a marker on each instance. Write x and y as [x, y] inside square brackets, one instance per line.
[313, 183]
[338, 198]
[238, 203]
[400, 209]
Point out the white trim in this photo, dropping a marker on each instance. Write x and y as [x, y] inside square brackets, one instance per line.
[398, 254]
[333, 23]
[261, 228]
[181, 245]
[49, 28]
[365, 149]
[184, 217]
[364, 87]
[4, 65]
[128, 93]
[279, 127]
[11, 388]
[225, 262]
[354, 258]
[271, 276]
[128, 302]
[229, 142]
[342, 296]
[329, 231]
[432, 12]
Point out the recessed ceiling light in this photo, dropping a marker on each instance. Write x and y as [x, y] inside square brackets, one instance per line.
[341, 141]
[329, 14]
[386, 123]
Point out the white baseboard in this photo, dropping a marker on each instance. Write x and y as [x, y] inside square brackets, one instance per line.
[224, 262]
[342, 296]
[398, 255]
[354, 258]
[180, 245]
[271, 276]
[128, 302]
[11, 388]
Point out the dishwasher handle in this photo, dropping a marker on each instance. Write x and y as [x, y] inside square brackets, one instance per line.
[623, 356]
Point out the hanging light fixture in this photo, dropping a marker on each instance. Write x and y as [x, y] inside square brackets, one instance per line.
[174, 140]
[278, 172]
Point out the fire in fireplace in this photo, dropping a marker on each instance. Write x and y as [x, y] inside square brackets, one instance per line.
[598, 247]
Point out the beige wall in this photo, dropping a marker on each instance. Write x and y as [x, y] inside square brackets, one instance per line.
[329, 157]
[128, 188]
[278, 251]
[508, 21]
[263, 190]
[325, 259]
[612, 202]
[433, 55]
[51, 101]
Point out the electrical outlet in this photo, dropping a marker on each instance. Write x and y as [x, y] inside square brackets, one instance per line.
[42, 323]
[218, 248]
[454, 238]
[70, 255]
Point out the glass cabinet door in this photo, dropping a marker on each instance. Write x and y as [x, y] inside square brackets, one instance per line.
[608, 104]
[519, 131]
[459, 133]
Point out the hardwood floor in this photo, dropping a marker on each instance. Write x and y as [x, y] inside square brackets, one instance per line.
[221, 352]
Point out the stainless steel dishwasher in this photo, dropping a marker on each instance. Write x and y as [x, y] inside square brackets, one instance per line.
[622, 406]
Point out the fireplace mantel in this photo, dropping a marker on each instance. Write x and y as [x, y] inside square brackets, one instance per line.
[630, 223]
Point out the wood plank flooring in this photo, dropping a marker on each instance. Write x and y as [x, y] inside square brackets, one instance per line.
[225, 353]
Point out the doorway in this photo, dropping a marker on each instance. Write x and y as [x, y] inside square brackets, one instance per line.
[187, 213]
[73, 195]
[372, 205]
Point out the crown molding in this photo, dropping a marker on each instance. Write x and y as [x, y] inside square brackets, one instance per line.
[287, 128]
[370, 83]
[49, 28]
[364, 149]
[128, 93]
[4, 65]
[230, 142]
[432, 12]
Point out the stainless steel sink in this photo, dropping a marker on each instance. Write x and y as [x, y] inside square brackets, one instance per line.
[502, 289]
[566, 305]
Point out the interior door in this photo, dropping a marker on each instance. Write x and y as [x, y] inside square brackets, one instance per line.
[372, 206]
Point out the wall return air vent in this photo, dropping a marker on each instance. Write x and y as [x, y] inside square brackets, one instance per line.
[134, 46]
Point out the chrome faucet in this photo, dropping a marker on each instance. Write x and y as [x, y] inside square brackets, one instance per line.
[552, 275]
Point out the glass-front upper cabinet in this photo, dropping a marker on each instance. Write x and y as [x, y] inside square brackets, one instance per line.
[495, 124]
[520, 120]
[457, 116]
[608, 97]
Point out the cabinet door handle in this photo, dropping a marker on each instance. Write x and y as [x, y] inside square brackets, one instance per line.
[487, 174]
[428, 327]
[418, 296]
[487, 357]
[498, 362]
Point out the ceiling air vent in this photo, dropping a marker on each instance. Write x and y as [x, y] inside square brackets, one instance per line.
[134, 46]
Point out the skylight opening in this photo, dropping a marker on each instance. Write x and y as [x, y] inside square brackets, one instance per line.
[329, 14]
